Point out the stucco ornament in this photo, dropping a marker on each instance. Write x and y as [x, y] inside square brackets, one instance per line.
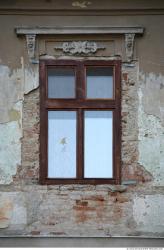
[80, 47]
[129, 46]
[82, 5]
[30, 39]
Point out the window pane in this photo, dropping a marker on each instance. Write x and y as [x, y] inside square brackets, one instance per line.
[99, 82]
[98, 158]
[61, 83]
[61, 144]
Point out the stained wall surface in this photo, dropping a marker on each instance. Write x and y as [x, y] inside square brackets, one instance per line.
[134, 208]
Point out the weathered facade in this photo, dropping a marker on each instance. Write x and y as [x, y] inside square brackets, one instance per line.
[133, 32]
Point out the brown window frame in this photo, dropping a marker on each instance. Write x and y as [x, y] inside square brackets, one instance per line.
[79, 104]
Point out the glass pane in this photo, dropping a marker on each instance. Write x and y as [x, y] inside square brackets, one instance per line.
[61, 83]
[99, 82]
[98, 148]
[61, 144]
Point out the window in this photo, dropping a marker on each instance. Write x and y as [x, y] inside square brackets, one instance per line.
[79, 122]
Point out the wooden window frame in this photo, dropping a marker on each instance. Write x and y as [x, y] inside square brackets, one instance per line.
[79, 104]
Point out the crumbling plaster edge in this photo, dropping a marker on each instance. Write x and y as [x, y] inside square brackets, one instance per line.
[18, 83]
[150, 127]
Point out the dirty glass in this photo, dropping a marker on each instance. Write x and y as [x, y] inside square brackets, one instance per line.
[61, 83]
[98, 144]
[61, 144]
[99, 82]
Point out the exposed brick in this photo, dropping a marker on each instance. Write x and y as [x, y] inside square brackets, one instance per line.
[84, 208]
[121, 198]
[81, 210]
[136, 172]
[94, 198]
[81, 203]
[35, 233]
[125, 76]
[30, 141]
[81, 217]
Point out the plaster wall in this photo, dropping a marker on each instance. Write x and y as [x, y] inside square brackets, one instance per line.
[135, 207]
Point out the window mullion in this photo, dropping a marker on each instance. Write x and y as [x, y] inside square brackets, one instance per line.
[80, 144]
[80, 81]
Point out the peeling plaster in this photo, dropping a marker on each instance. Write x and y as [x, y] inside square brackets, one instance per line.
[6, 209]
[10, 150]
[31, 78]
[151, 91]
[151, 131]
[14, 115]
[13, 210]
[10, 91]
[13, 85]
[148, 213]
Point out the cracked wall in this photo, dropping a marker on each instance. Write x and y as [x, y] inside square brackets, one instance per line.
[134, 208]
[151, 129]
[13, 85]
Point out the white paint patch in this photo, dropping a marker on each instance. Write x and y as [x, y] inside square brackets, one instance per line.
[10, 150]
[31, 78]
[10, 91]
[19, 215]
[13, 85]
[151, 84]
[148, 213]
[151, 131]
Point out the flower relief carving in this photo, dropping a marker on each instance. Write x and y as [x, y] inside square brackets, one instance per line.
[80, 47]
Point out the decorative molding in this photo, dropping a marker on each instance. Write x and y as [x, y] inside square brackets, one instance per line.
[80, 47]
[78, 30]
[81, 12]
[129, 46]
[81, 4]
[30, 40]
